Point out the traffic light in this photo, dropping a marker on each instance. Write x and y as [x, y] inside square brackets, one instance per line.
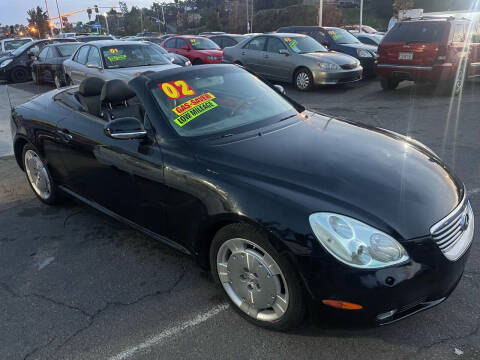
[64, 20]
[96, 8]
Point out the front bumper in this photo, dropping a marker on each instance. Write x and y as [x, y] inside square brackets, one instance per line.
[337, 77]
[424, 281]
[435, 73]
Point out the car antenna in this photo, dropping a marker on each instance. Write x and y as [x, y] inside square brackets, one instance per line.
[9, 100]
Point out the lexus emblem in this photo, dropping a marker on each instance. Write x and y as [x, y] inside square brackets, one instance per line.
[464, 222]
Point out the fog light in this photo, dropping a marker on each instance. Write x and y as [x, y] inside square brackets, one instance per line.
[344, 305]
[386, 315]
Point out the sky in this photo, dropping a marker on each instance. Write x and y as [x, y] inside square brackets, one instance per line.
[15, 11]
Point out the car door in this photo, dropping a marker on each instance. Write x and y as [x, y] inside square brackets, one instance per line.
[170, 45]
[182, 48]
[99, 168]
[49, 64]
[94, 63]
[78, 65]
[253, 52]
[38, 65]
[274, 64]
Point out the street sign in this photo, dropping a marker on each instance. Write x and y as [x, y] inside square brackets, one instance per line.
[96, 26]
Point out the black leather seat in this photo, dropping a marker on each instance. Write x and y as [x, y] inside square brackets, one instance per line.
[89, 93]
[119, 100]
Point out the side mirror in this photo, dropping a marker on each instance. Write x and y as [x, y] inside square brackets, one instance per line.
[93, 66]
[280, 89]
[125, 128]
[284, 52]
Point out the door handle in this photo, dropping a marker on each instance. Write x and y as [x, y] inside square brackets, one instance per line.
[65, 135]
[243, 52]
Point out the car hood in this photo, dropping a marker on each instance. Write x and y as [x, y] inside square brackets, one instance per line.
[371, 48]
[324, 164]
[335, 58]
[128, 73]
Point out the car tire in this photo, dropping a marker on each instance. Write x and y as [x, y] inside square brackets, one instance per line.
[58, 80]
[19, 75]
[303, 79]
[389, 84]
[197, 62]
[35, 78]
[258, 282]
[38, 176]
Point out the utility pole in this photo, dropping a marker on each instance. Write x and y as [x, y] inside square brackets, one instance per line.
[251, 17]
[248, 22]
[320, 13]
[164, 22]
[48, 14]
[59, 18]
[361, 17]
[106, 22]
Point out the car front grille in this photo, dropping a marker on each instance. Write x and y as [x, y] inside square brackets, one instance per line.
[348, 66]
[454, 233]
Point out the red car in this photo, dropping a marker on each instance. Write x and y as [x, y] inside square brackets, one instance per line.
[435, 50]
[198, 49]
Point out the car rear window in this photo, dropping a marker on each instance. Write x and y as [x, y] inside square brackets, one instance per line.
[416, 32]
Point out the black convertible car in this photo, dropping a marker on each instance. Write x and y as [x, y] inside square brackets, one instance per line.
[282, 204]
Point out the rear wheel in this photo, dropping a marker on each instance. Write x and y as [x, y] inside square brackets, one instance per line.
[197, 62]
[260, 284]
[389, 84]
[303, 79]
[38, 176]
[19, 74]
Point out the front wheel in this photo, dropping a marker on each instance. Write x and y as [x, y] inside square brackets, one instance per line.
[389, 84]
[19, 75]
[303, 80]
[260, 284]
[38, 176]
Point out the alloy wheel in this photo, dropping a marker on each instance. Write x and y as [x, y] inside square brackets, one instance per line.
[303, 80]
[37, 174]
[252, 279]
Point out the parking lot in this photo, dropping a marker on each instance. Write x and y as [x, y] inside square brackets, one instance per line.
[75, 284]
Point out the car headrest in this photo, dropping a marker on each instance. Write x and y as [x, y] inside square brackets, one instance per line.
[91, 86]
[116, 91]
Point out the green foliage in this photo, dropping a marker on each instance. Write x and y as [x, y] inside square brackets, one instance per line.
[271, 20]
[212, 20]
[38, 18]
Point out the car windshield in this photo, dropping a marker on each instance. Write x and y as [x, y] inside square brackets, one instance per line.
[67, 49]
[124, 56]
[200, 43]
[218, 100]
[21, 49]
[416, 32]
[15, 44]
[304, 44]
[240, 38]
[341, 36]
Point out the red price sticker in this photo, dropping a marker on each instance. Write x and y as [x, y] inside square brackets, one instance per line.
[176, 89]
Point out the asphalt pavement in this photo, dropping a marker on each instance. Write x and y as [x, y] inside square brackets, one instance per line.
[75, 284]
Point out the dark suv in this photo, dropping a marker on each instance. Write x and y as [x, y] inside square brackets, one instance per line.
[439, 50]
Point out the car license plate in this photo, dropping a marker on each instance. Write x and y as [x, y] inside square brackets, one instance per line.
[405, 56]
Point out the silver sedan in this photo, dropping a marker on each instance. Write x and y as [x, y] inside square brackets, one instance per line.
[294, 58]
[114, 60]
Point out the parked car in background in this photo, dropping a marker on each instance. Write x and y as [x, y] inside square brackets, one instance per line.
[48, 66]
[226, 40]
[10, 44]
[88, 38]
[198, 49]
[441, 51]
[16, 67]
[66, 35]
[294, 58]
[211, 33]
[369, 39]
[365, 28]
[166, 36]
[148, 33]
[174, 58]
[114, 59]
[340, 40]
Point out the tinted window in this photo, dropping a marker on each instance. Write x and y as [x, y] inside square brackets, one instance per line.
[170, 43]
[302, 44]
[50, 53]
[416, 32]
[94, 57]
[341, 36]
[274, 45]
[81, 56]
[257, 43]
[43, 54]
[367, 40]
[228, 42]
[319, 36]
[67, 50]
[179, 43]
[219, 40]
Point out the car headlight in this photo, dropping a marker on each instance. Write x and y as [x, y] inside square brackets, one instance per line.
[355, 243]
[188, 63]
[364, 53]
[5, 63]
[329, 67]
[212, 58]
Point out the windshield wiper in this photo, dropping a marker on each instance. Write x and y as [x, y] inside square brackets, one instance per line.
[288, 117]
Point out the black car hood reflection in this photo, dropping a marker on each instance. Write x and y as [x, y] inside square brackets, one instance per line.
[342, 167]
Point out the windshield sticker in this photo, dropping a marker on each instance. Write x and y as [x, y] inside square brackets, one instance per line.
[293, 43]
[190, 104]
[287, 39]
[114, 58]
[176, 89]
[193, 41]
[195, 112]
[334, 35]
[113, 51]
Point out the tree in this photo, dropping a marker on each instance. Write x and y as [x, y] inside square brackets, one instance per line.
[38, 22]
[402, 5]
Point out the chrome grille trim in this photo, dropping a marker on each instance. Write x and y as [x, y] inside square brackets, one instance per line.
[452, 238]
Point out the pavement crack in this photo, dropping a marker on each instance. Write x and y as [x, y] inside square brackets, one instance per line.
[38, 348]
[69, 216]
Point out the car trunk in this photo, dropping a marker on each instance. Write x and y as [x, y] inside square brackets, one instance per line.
[413, 43]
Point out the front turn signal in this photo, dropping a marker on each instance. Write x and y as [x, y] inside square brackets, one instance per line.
[344, 305]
